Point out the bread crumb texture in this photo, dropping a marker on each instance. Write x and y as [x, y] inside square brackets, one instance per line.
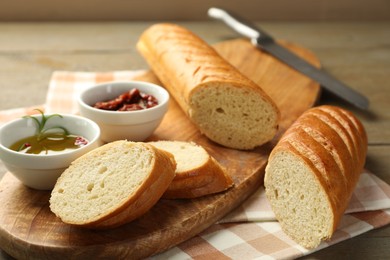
[101, 181]
[233, 116]
[225, 105]
[299, 204]
[188, 155]
[197, 172]
[313, 171]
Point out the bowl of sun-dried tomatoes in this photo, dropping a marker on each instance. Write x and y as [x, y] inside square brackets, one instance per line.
[130, 110]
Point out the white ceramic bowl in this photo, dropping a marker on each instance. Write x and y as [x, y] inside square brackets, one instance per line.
[41, 171]
[120, 125]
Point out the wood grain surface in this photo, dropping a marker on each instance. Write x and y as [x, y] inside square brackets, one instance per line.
[28, 230]
[190, 10]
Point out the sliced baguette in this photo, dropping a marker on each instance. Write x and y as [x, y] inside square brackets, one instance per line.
[312, 172]
[226, 106]
[197, 173]
[112, 185]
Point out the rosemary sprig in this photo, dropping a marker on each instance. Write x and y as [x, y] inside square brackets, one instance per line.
[47, 138]
[41, 130]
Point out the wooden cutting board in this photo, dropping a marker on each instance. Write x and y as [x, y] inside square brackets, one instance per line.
[29, 230]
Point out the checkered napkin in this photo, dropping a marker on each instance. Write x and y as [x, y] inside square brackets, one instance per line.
[250, 231]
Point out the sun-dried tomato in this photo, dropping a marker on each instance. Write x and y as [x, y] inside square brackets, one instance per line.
[129, 101]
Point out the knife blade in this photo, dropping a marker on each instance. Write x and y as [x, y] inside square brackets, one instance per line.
[266, 42]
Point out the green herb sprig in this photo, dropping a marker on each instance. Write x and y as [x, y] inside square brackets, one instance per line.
[43, 132]
[55, 138]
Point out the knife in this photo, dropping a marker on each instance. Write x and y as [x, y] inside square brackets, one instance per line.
[264, 41]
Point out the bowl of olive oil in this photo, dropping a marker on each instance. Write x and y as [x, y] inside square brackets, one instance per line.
[37, 149]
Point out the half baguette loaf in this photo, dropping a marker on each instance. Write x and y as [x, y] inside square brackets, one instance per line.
[112, 185]
[197, 173]
[312, 172]
[226, 106]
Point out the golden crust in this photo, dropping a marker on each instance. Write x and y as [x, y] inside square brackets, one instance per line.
[206, 179]
[146, 195]
[186, 65]
[333, 144]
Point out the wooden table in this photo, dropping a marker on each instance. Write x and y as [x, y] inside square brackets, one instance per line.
[357, 53]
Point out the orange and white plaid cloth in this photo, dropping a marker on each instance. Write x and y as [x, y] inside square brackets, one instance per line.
[251, 231]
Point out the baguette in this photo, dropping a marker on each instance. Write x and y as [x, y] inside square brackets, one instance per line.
[197, 173]
[223, 104]
[312, 172]
[112, 185]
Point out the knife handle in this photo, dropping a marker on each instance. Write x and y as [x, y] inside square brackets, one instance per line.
[238, 24]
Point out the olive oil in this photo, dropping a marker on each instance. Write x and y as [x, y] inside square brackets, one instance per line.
[48, 144]
[54, 139]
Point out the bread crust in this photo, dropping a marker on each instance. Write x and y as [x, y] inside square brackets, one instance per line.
[208, 178]
[332, 142]
[146, 195]
[186, 65]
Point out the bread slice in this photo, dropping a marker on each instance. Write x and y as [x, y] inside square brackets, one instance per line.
[312, 172]
[112, 185]
[197, 173]
[225, 105]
